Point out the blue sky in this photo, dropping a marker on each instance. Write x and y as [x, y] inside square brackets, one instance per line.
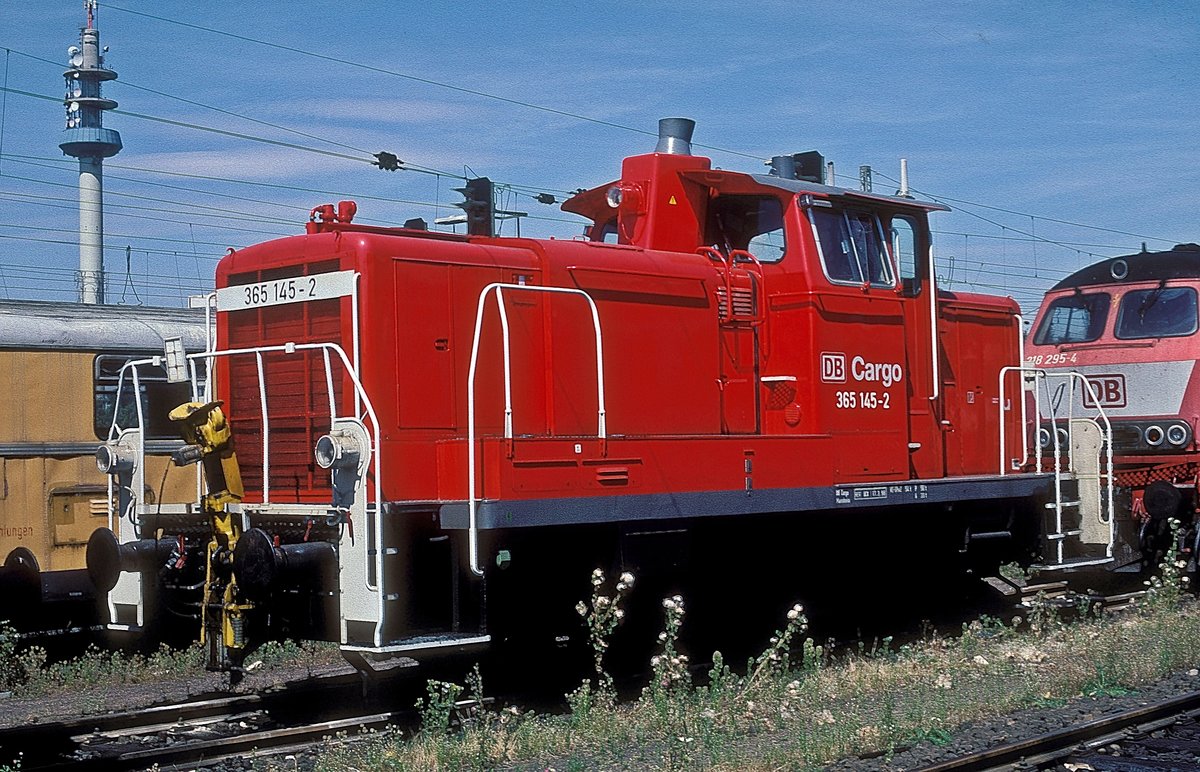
[1084, 113]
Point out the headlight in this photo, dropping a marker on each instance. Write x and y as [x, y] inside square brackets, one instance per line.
[1154, 435]
[112, 458]
[1177, 435]
[341, 451]
[1044, 441]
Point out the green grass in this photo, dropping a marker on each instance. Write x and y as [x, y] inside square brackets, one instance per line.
[804, 712]
[27, 673]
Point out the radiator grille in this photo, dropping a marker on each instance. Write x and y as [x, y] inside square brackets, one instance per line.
[297, 390]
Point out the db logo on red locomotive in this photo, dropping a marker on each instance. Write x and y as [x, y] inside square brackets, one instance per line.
[1108, 390]
[833, 367]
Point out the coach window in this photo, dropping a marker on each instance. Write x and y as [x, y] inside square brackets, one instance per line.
[1162, 312]
[1075, 318]
[158, 398]
[852, 247]
[750, 223]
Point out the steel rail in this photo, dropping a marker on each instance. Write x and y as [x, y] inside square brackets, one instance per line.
[1047, 747]
[216, 750]
[17, 738]
[39, 742]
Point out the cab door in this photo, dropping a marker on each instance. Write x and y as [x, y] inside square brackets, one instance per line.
[910, 247]
[861, 339]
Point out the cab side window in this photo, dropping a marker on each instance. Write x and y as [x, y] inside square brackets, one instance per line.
[852, 247]
[750, 223]
[903, 236]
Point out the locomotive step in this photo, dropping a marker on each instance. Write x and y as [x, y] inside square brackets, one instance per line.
[422, 643]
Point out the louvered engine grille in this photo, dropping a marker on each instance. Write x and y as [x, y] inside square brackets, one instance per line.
[297, 390]
[743, 303]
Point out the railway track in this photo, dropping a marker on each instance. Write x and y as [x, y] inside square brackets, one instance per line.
[1161, 736]
[203, 729]
[187, 743]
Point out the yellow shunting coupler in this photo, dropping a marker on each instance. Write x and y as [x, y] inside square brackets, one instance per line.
[224, 613]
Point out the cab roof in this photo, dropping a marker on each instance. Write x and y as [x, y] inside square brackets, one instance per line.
[800, 186]
[1180, 262]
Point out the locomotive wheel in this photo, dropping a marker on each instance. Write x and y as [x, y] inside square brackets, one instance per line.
[1162, 499]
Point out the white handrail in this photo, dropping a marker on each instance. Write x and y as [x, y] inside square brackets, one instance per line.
[329, 384]
[266, 430]
[363, 402]
[601, 427]
[935, 353]
[210, 301]
[1108, 513]
[1003, 432]
[508, 425]
[114, 430]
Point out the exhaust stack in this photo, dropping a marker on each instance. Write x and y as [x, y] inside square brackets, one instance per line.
[675, 136]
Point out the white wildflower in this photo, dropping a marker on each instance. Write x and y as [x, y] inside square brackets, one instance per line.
[581, 609]
[627, 579]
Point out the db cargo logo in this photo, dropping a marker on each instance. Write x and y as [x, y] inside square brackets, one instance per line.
[833, 367]
[1109, 391]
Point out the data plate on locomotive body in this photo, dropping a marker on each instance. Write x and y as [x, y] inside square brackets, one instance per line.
[277, 292]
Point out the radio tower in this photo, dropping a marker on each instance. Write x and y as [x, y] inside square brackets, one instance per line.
[86, 139]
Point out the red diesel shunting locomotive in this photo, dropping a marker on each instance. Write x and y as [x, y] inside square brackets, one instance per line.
[1128, 326]
[438, 433]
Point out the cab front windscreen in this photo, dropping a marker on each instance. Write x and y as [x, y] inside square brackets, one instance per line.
[1078, 318]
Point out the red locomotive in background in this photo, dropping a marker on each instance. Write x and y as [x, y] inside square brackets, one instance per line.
[1128, 325]
[438, 436]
